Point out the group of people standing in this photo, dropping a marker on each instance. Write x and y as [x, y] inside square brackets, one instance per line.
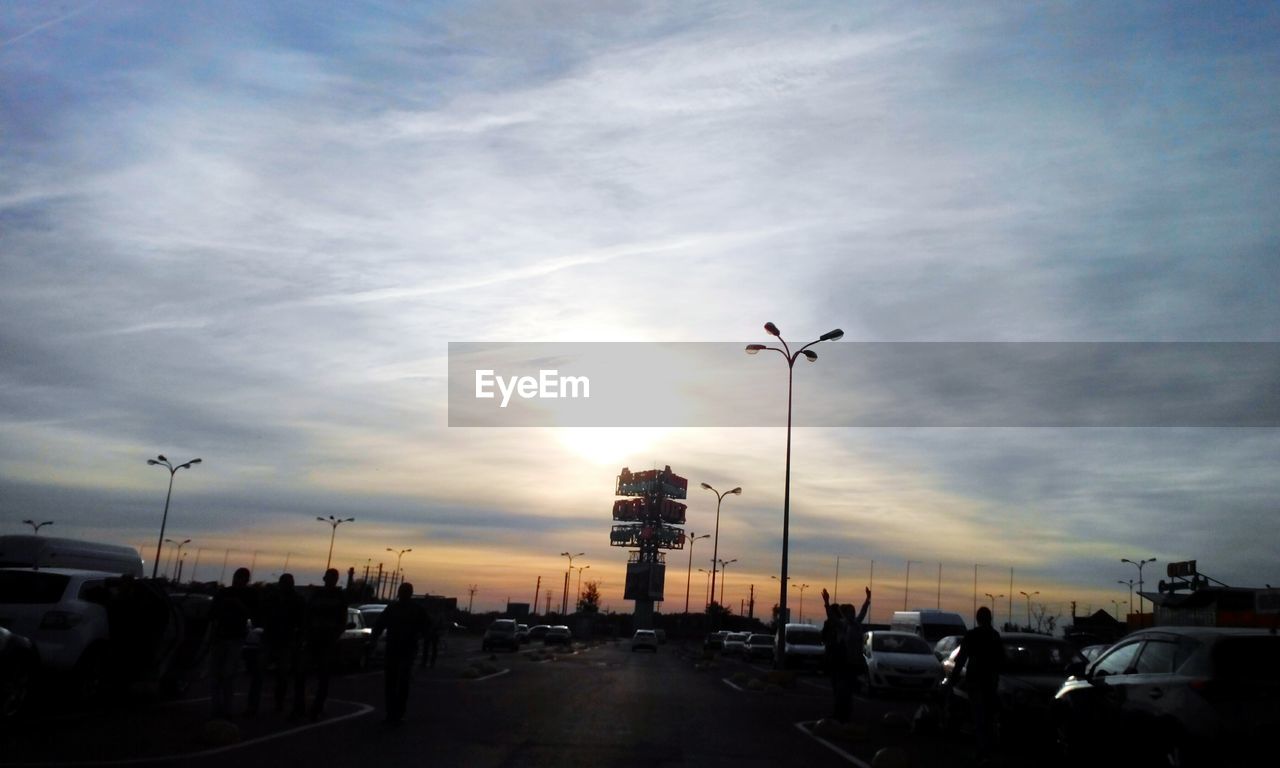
[300, 637]
[842, 650]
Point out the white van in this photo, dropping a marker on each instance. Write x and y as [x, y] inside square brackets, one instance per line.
[18, 551]
[932, 625]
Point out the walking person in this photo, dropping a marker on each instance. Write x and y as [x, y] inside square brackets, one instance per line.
[325, 620]
[983, 653]
[406, 624]
[229, 616]
[283, 612]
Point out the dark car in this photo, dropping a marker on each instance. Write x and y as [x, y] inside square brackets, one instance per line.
[1034, 668]
[1179, 695]
[500, 634]
[18, 664]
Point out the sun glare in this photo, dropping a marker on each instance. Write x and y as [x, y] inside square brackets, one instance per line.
[611, 445]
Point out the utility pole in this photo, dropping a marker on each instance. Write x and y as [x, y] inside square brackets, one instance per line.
[547, 612]
[471, 599]
[751, 605]
[536, 590]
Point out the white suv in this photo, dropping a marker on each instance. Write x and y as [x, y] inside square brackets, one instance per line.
[644, 638]
[62, 611]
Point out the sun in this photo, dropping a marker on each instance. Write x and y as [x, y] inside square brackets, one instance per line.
[611, 445]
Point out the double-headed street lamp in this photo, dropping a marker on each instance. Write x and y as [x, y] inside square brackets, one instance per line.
[176, 555]
[578, 589]
[1129, 583]
[715, 546]
[1139, 565]
[335, 522]
[802, 588]
[564, 601]
[790, 357]
[707, 596]
[1028, 596]
[689, 576]
[35, 527]
[723, 565]
[399, 555]
[993, 605]
[161, 461]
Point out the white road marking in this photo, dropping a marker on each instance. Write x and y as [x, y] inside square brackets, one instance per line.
[801, 726]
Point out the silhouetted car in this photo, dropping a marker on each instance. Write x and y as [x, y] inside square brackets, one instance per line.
[735, 644]
[899, 661]
[1179, 695]
[522, 633]
[760, 646]
[715, 641]
[644, 638]
[802, 645]
[1092, 652]
[356, 643]
[538, 631]
[500, 634]
[371, 612]
[1035, 666]
[18, 664]
[558, 635]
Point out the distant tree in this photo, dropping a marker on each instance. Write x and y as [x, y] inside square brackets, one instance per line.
[590, 602]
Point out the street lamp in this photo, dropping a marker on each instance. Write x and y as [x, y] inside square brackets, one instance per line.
[578, 588]
[723, 564]
[1139, 565]
[802, 588]
[178, 554]
[778, 656]
[1028, 596]
[335, 522]
[35, 527]
[707, 596]
[564, 601]
[161, 461]
[399, 555]
[689, 576]
[1129, 583]
[993, 605]
[715, 546]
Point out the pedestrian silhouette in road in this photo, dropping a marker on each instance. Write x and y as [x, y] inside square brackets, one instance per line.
[282, 612]
[842, 651]
[325, 621]
[229, 616]
[406, 624]
[983, 653]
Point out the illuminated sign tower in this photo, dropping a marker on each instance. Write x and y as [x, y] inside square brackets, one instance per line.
[646, 522]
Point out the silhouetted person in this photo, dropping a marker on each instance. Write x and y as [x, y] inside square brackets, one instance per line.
[229, 616]
[842, 651]
[406, 623]
[431, 643]
[326, 618]
[983, 653]
[853, 631]
[282, 614]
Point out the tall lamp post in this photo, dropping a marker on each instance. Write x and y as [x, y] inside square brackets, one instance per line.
[578, 588]
[1139, 565]
[689, 577]
[161, 461]
[778, 656]
[178, 554]
[335, 522]
[993, 605]
[564, 601]
[400, 554]
[715, 546]
[707, 596]
[35, 527]
[723, 565]
[1128, 583]
[802, 588]
[1028, 596]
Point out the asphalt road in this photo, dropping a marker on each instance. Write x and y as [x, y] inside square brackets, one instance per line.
[599, 706]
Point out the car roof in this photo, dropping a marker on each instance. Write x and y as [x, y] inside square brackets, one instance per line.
[1200, 631]
[68, 572]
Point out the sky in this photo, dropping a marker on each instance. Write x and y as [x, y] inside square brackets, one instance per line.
[248, 233]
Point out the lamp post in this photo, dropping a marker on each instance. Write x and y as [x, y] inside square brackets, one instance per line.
[689, 576]
[802, 588]
[1028, 596]
[993, 605]
[161, 461]
[715, 546]
[471, 599]
[578, 588]
[564, 601]
[399, 555]
[35, 527]
[1139, 565]
[723, 564]
[1129, 583]
[707, 596]
[790, 357]
[335, 522]
[178, 554]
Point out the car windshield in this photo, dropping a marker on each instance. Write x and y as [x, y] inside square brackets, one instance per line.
[804, 637]
[761, 640]
[31, 587]
[900, 644]
[1038, 656]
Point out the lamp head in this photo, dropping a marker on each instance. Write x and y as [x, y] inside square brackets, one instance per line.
[737, 491]
[754, 348]
[709, 488]
[161, 457]
[771, 329]
[810, 355]
[831, 335]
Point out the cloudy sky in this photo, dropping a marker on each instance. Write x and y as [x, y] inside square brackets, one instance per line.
[248, 232]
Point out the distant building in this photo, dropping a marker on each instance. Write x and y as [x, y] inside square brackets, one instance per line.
[1215, 607]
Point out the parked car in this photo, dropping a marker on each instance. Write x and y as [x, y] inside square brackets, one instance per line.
[759, 646]
[735, 644]
[1092, 652]
[1035, 666]
[522, 633]
[662, 635]
[899, 661]
[500, 634]
[356, 644]
[370, 613]
[558, 635]
[18, 664]
[538, 632]
[715, 641]
[943, 648]
[1180, 695]
[802, 645]
[644, 638]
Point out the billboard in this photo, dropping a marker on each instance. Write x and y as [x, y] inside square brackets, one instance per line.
[645, 581]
